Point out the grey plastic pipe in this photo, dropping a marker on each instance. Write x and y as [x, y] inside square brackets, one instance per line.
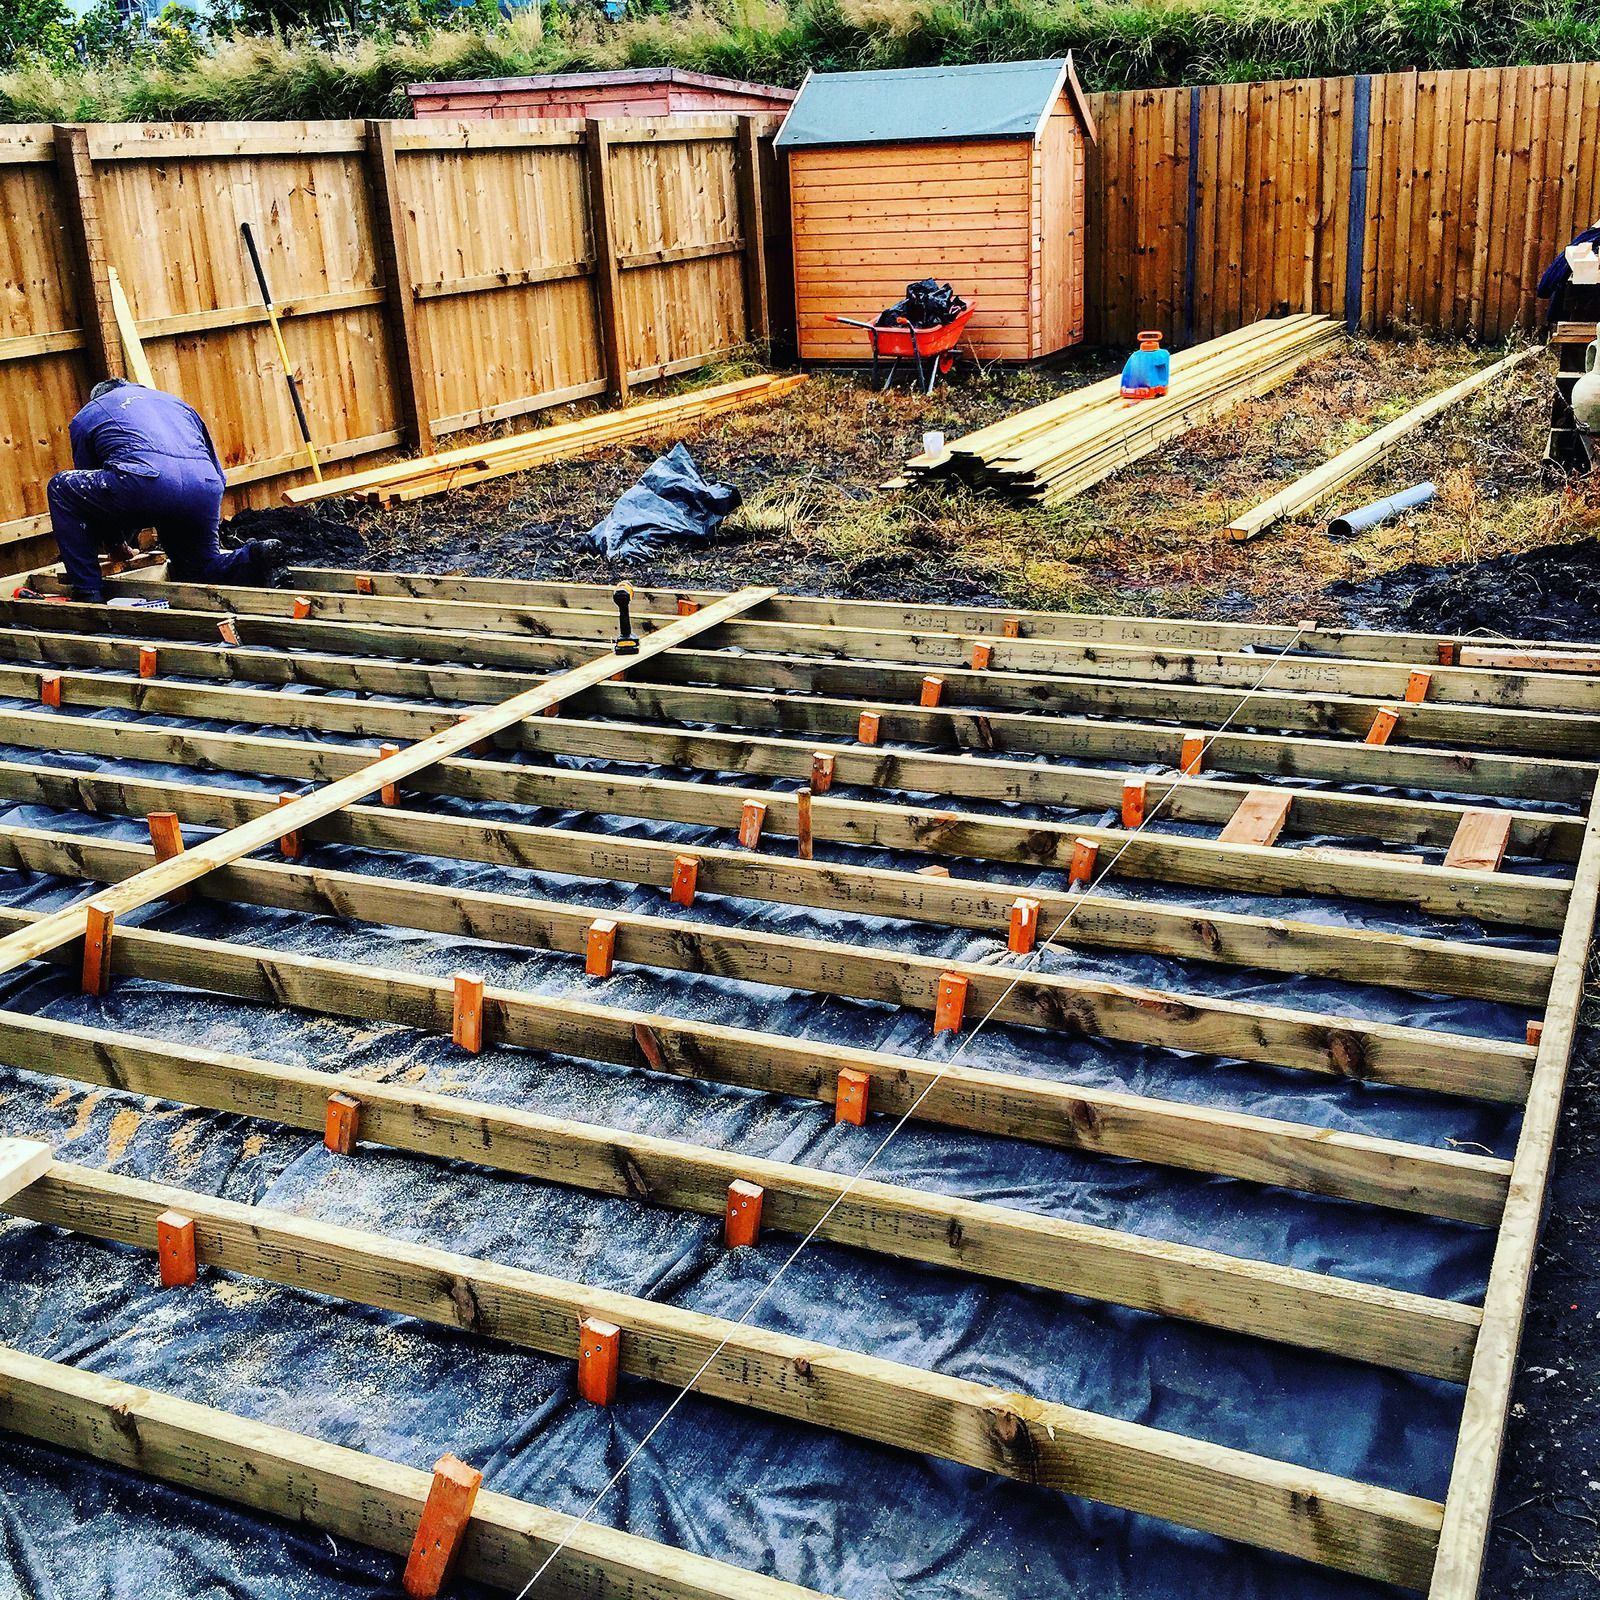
[1353, 522]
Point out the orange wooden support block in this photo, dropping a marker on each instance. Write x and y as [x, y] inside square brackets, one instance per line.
[805, 840]
[340, 1127]
[932, 689]
[553, 709]
[687, 608]
[1535, 1033]
[741, 1223]
[821, 772]
[442, 1527]
[50, 690]
[289, 844]
[175, 1249]
[933, 872]
[483, 747]
[1134, 793]
[868, 727]
[227, 632]
[599, 947]
[751, 820]
[1383, 725]
[302, 607]
[850, 1099]
[982, 655]
[951, 1005]
[1480, 841]
[1012, 627]
[363, 585]
[466, 1027]
[389, 794]
[97, 948]
[1024, 930]
[1258, 819]
[165, 836]
[1447, 654]
[599, 1360]
[1417, 686]
[149, 661]
[1085, 852]
[685, 875]
[1193, 755]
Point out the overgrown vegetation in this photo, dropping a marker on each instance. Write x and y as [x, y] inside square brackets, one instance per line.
[242, 64]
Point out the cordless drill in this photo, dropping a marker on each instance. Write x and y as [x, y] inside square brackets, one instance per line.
[626, 644]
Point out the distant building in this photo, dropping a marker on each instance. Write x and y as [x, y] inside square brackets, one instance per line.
[634, 92]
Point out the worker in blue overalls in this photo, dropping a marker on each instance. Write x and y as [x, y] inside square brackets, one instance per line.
[143, 459]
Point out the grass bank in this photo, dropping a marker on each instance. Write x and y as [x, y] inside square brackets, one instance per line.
[1120, 44]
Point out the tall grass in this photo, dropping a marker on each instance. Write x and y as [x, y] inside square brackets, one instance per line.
[1119, 43]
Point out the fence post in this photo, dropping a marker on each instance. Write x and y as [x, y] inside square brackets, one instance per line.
[407, 339]
[753, 224]
[80, 210]
[607, 279]
[1355, 261]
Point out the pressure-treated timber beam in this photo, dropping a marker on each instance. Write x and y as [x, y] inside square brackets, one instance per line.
[348, 1493]
[1316, 811]
[1217, 1489]
[1434, 1182]
[162, 879]
[1496, 897]
[1287, 1305]
[1513, 690]
[1165, 633]
[1523, 732]
[1071, 917]
[1010, 994]
[1469, 1504]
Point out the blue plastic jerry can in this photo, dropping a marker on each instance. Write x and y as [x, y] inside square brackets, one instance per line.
[1149, 369]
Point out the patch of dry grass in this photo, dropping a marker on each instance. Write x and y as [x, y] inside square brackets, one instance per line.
[1147, 540]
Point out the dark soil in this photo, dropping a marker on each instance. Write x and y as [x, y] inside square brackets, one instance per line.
[1546, 1537]
[1548, 593]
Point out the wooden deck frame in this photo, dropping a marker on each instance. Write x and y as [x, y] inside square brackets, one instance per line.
[1396, 819]
[1309, 1310]
[1164, 633]
[1460, 967]
[1323, 1518]
[1014, 659]
[806, 672]
[1493, 897]
[996, 697]
[1464, 1186]
[336, 1490]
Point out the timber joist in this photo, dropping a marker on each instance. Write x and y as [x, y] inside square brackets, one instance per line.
[1162, 766]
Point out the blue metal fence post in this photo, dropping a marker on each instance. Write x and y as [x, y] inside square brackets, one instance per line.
[1355, 263]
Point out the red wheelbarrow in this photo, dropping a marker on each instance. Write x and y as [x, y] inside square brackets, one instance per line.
[929, 348]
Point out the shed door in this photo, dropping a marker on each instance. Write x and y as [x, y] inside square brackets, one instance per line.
[1061, 159]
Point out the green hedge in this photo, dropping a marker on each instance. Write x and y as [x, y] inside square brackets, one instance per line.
[1119, 43]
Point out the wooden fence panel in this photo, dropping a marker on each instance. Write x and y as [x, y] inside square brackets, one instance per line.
[173, 202]
[42, 368]
[1460, 187]
[681, 243]
[456, 266]
[505, 265]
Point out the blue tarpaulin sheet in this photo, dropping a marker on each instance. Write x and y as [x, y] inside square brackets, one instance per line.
[847, 1517]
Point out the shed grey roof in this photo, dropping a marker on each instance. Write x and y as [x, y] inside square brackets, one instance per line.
[1003, 100]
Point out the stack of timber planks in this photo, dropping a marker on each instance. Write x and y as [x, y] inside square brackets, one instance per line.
[418, 479]
[1051, 452]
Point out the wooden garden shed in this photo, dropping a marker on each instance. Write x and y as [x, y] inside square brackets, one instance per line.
[972, 175]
